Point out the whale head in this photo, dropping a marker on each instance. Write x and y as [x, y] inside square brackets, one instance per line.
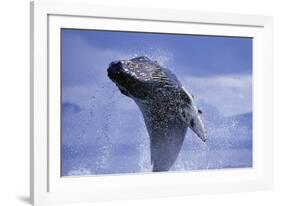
[139, 77]
[146, 81]
[168, 109]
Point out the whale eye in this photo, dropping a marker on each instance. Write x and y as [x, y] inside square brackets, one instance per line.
[199, 111]
[192, 122]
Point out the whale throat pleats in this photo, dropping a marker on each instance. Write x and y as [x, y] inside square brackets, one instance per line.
[166, 138]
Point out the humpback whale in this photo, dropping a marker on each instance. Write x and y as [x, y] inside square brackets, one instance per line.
[168, 108]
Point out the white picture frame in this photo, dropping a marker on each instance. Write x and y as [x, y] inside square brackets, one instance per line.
[47, 186]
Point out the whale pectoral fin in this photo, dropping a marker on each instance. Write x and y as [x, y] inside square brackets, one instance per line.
[165, 147]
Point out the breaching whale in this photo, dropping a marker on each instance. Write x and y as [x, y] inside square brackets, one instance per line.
[168, 109]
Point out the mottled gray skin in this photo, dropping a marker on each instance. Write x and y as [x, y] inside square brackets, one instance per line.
[168, 109]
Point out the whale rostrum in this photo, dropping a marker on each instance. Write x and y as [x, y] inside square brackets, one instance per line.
[168, 109]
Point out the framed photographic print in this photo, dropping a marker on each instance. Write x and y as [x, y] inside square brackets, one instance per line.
[136, 103]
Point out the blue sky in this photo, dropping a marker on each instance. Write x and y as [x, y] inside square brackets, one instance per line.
[212, 67]
[207, 55]
[103, 131]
